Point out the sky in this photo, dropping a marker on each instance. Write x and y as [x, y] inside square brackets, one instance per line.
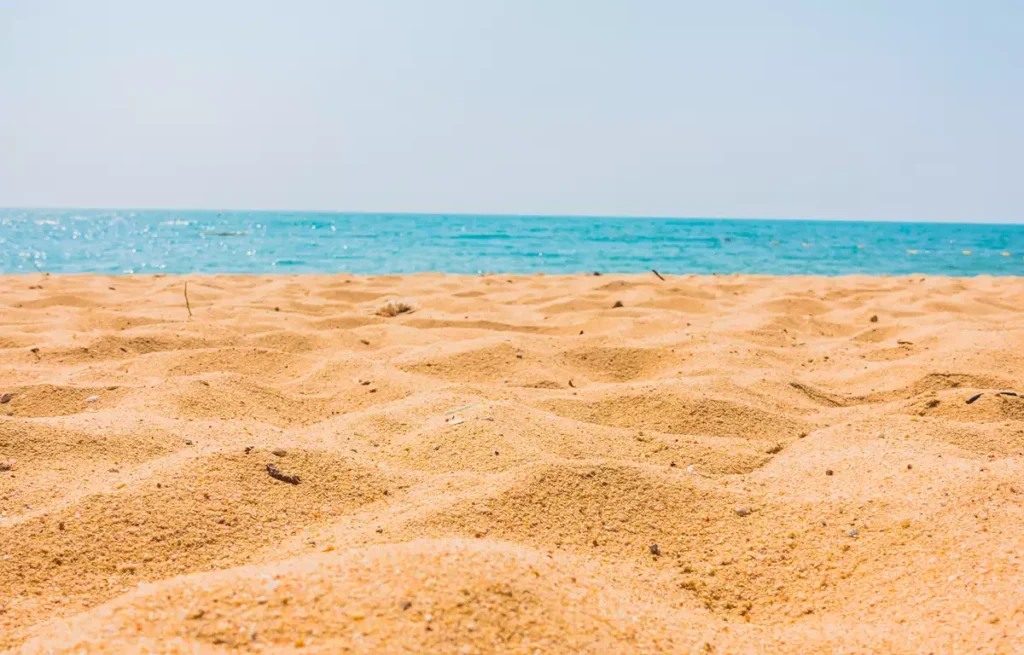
[845, 109]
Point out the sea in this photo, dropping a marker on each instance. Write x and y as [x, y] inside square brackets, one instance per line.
[125, 242]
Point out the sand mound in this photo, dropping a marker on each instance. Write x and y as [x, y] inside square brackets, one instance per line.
[60, 400]
[213, 511]
[682, 414]
[732, 464]
[447, 596]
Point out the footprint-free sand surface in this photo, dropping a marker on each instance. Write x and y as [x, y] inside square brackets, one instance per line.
[542, 464]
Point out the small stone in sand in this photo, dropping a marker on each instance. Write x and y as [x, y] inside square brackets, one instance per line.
[655, 550]
[618, 303]
[852, 532]
[6, 398]
[742, 511]
[828, 471]
[874, 319]
[92, 399]
[279, 452]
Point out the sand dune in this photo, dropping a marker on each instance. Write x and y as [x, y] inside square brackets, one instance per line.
[541, 464]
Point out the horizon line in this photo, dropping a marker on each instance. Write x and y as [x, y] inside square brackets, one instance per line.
[520, 215]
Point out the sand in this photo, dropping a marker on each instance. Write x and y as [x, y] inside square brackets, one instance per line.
[729, 464]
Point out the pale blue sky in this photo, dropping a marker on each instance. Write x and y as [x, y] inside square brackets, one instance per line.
[819, 109]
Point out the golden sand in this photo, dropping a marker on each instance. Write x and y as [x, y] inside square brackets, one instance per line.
[511, 464]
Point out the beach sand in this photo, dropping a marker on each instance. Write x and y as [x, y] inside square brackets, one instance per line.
[725, 464]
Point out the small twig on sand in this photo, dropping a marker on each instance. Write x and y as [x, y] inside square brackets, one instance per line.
[658, 274]
[275, 473]
[187, 306]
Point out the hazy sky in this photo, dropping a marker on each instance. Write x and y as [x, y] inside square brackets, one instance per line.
[826, 108]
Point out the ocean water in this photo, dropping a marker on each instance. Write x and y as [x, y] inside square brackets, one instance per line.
[149, 241]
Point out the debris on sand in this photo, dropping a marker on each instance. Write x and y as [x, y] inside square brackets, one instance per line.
[7, 465]
[92, 399]
[974, 397]
[655, 550]
[275, 473]
[742, 511]
[394, 308]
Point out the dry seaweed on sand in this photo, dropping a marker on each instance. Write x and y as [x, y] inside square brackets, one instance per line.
[277, 474]
[395, 307]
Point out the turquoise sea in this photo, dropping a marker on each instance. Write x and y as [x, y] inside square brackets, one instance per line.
[156, 241]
